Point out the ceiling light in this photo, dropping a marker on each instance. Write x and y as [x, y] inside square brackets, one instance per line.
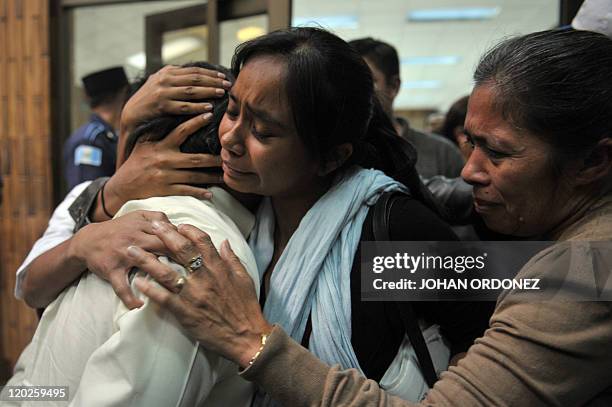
[451, 14]
[138, 61]
[180, 46]
[248, 33]
[431, 60]
[428, 84]
[170, 50]
[338, 22]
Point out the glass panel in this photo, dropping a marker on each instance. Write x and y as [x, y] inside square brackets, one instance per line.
[106, 36]
[438, 41]
[185, 45]
[234, 32]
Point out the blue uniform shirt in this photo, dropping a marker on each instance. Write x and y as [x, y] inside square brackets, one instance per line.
[90, 152]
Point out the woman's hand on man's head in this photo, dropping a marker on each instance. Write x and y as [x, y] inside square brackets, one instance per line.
[171, 91]
[217, 304]
[161, 169]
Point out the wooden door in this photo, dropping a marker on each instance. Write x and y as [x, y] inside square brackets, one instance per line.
[24, 159]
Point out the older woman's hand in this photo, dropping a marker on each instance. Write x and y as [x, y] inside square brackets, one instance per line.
[101, 248]
[217, 304]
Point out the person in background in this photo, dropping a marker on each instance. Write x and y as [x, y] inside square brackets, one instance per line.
[433, 122]
[452, 127]
[436, 156]
[91, 151]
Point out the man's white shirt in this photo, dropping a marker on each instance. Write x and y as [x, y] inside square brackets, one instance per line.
[111, 356]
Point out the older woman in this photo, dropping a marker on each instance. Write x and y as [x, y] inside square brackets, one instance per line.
[540, 121]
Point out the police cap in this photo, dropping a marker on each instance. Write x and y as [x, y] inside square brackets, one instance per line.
[104, 81]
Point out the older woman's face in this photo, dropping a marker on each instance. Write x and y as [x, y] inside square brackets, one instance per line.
[515, 190]
[261, 150]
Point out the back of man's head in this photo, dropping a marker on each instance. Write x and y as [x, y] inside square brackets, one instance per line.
[382, 55]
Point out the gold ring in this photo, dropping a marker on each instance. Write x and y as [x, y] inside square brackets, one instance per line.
[195, 263]
[180, 283]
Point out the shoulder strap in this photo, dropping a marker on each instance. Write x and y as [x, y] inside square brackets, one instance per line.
[380, 227]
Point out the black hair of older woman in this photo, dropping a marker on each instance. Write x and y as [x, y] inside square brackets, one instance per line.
[203, 141]
[331, 95]
[555, 85]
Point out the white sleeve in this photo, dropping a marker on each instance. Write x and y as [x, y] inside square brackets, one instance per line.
[60, 228]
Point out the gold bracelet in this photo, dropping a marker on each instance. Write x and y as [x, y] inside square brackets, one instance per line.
[264, 338]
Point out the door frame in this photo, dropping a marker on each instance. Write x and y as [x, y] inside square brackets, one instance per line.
[210, 14]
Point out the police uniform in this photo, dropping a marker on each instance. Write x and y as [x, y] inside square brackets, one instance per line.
[91, 151]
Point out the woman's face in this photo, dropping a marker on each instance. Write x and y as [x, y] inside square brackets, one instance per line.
[515, 189]
[261, 150]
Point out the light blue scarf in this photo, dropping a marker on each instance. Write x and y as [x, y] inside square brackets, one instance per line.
[312, 276]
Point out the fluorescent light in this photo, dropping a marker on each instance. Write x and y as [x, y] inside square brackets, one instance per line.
[347, 22]
[248, 33]
[429, 84]
[450, 14]
[138, 61]
[431, 60]
[181, 46]
[170, 50]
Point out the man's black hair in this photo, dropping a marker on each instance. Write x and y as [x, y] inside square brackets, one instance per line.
[381, 54]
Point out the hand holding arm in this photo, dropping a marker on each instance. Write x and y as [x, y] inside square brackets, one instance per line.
[101, 248]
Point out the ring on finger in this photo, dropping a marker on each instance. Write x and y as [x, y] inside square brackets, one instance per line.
[180, 283]
[195, 263]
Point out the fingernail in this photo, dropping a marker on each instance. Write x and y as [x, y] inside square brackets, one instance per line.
[140, 283]
[132, 251]
[208, 116]
[220, 92]
[221, 75]
[227, 245]
[208, 106]
[207, 195]
[227, 84]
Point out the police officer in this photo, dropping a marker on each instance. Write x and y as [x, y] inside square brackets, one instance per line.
[91, 151]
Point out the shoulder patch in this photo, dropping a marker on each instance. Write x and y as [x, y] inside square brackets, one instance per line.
[88, 155]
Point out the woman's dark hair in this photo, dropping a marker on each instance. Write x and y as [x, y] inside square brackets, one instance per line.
[331, 96]
[454, 117]
[555, 85]
[205, 140]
